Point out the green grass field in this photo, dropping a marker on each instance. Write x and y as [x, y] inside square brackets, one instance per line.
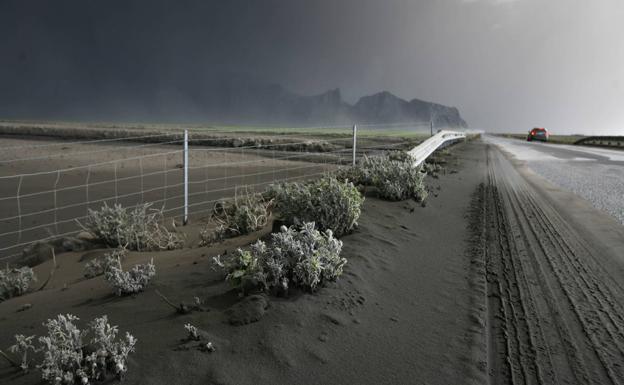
[330, 132]
[416, 131]
[219, 135]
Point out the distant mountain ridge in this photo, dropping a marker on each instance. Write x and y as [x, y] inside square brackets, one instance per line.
[229, 99]
[385, 107]
[272, 104]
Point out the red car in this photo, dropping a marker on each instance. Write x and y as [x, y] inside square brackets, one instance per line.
[538, 134]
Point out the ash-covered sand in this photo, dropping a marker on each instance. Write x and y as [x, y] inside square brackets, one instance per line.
[400, 314]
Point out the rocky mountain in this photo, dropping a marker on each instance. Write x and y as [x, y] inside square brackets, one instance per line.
[385, 107]
[230, 99]
[272, 104]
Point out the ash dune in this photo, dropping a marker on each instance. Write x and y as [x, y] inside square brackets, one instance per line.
[399, 314]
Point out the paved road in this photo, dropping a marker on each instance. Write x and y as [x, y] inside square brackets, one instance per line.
[595, 174]
[554, 308]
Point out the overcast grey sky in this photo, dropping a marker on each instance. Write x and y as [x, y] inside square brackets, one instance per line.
[508, 65]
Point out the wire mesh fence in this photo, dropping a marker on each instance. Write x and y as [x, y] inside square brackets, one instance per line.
[47, 189]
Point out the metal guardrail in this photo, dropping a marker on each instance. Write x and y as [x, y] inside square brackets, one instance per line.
[603, 141]
[426, 148]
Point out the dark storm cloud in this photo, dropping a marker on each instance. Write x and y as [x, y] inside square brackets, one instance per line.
[507, 65]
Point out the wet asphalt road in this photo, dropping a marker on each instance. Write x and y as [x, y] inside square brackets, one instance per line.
[595, 174]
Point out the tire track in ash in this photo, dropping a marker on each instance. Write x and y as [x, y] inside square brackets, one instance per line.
[554, 315]
[597, 313]
[583, 281]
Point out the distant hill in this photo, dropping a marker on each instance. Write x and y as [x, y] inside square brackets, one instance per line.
[384, 107]
[272, 104]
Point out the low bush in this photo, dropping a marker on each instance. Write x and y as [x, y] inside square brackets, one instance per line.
[328, 202]
[135, 229]
[193, 332]
[401, 156]
[75, 356]
[23, 345]
[100, 265]
[392, 174]
[432, 169]
[129, 282]
[15, 281]
[244, 214]
[194, 335]
[303, 258]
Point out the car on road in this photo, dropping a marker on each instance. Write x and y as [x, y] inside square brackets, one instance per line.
[538, 134]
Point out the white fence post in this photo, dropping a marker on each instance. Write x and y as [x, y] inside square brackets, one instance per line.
[186, 184]
[354, 142]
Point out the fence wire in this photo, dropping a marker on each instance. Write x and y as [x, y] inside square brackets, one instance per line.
[44, 205]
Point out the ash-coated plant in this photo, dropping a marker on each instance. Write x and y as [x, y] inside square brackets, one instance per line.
[328, 202]
[139, 228]
[132, 281]
[100, 265]
[15, 281]
[23, 345]
[432, 169]
[77, 356]
[246, 213]
[193, 332]
[305, 258]
[393, 175]
[244, 270]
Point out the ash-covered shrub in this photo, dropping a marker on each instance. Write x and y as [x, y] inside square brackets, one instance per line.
[328, 202]
[15, 281]
[303, 258]
[393, 175]
[75, 356]
[132, 281]
[23, 345]
[244, 214]
[139, 228]
[100, 265]
[432, 169]
[96, 267]
[244, 269]
[401, 156]
[193, 332]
